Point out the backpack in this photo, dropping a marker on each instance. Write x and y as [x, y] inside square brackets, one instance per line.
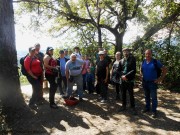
[23, 70]
[158, 70]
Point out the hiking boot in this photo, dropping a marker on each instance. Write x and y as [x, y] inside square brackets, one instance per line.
[118, 97]
[65, 97]
[145, 111]
[122, 109]
[54, 106]
[154, 114]
[134, 111]
[33, 106]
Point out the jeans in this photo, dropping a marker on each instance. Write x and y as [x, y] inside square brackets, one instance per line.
[150, 91]
[53, 87]
[90, 86]
[128, 86]
[79, 81]
[36, 87]
[84, 81]
[59, 83]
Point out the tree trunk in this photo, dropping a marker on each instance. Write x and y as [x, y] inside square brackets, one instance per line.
[9, 80]
[119, 42]
[99, 37]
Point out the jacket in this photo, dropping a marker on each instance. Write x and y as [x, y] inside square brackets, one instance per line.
[131, 67]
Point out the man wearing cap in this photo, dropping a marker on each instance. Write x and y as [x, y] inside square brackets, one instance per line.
[40, 56]
[127, 69]
[61, 62]
[102, 70]
[77, 52]
[66, 54]
[74, 69]
[34, 70]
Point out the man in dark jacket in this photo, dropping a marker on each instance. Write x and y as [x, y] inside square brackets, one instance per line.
[127, 68]
[61, 62]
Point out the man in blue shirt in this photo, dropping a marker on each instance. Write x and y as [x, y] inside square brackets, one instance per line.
[61, 62]
[150, 80]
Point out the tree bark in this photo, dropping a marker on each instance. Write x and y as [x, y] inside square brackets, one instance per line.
[9, 80]
[99, 37]
[119, 42]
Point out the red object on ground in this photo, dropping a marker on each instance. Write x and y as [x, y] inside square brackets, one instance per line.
[71, 101]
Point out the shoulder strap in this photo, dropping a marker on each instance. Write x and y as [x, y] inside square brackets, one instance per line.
[155, 63]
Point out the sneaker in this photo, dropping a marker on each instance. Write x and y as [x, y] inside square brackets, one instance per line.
[154, 114]
[122, 109]
[81, 99]
[65, 97]
[54, 106]
[145, 111]
[103, 101]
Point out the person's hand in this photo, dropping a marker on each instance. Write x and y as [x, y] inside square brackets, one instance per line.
[106, 80]
[124, 78]
[158, 81]
[35, 77]
[141, 77]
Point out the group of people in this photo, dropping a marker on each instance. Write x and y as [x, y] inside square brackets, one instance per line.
[78, 69]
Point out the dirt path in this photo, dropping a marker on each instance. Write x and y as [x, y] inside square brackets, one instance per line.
[90, 117]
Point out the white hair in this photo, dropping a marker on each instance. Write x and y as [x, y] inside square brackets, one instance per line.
[72, 55]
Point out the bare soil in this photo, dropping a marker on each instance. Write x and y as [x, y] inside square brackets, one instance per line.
[91, 117]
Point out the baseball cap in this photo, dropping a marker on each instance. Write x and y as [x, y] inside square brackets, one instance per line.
[31, 49]
[101, 52]
[126, 49]
[61, 52]
[49, 48]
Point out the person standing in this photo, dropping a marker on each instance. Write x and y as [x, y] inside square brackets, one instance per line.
[116, 75]
[102, 71]
[77, 52]
[34, 70]
[74, 68]
[61, 62]
[51, 73]
[39, 55]
[150, 79]
[90, 81]
[66, 55]
[127, 68]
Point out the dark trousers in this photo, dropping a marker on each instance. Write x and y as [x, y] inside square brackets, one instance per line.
[84, 81]
[90, 86]
[118, 90]
[59, 83]
[104, 90]
[150, 91]
[53, 87]
[128, 86]
[36, 87]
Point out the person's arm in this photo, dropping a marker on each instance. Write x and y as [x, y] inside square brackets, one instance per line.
[107, 72]
[163, 74]
[67, 71]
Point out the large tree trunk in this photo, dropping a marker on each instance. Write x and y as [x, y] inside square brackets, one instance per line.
[119, 42]
[9, 80]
